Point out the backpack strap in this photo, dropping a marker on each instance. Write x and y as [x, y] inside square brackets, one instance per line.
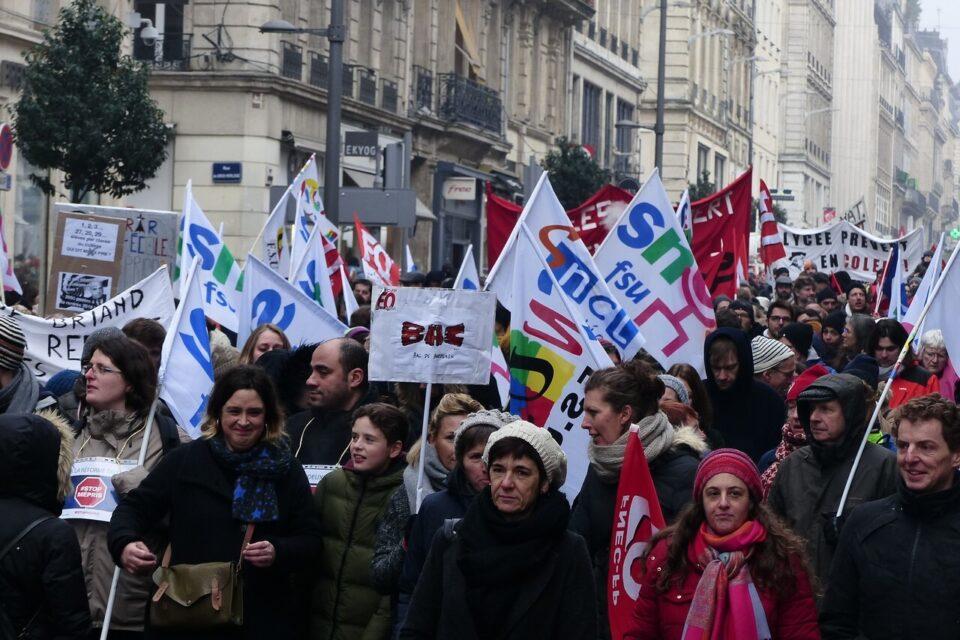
[23, 533]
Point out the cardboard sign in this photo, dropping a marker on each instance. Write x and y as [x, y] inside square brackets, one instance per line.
[431, 335]
[86, 262]
[94, 497]
[149, 239]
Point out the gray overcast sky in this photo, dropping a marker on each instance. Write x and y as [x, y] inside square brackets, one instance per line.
[948, 20]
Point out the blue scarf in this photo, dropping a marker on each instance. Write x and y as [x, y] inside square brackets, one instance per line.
[257, 470]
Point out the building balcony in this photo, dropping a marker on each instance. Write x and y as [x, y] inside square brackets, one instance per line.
[422, 92]
[291, 61]
[465, 101]
[914, 203]
[172, 53]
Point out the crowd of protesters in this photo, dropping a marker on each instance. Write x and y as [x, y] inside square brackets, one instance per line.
[780, 523]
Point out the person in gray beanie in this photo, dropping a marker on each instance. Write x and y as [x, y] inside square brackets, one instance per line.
[774, 364]
[674, 389]
[468, 478]
[20, 392]
[509, 569]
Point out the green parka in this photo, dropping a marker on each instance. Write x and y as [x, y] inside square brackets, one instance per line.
[346, 606]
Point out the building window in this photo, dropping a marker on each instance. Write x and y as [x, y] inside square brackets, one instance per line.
[590, 122]
[608, 130]
[719, 164]
[703, 157]
[624, 138]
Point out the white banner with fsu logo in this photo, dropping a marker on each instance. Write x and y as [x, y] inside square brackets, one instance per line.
[94, 497]
[431, 335]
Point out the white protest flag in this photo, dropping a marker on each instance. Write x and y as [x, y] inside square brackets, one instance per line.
[10, 282]
[551, 357]
[310, 211]
[431, 335]
[469, 280]
[648, 264]
[350, 303]
[558, 243]
[55, 344]
[945, 305]
[898, 290]
[272, 244]
[221, 279]
[187, 356]
[411, 265]
[311, 275]
[685, 216]
[923, 291]
[378, 266]
[267, 297]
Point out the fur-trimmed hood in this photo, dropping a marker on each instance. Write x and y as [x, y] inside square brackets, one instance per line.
[36, 456]
[692, 439]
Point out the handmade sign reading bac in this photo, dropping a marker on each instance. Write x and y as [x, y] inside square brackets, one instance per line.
[431, 335]
[94, 497]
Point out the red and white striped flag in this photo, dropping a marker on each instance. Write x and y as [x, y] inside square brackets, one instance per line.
[771, 247]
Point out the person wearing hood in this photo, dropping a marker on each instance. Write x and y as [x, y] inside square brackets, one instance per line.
[120, 385]
[510, 569]
[337, 386]
[42, 590]
[614, 399]
[896, 573]
[468, 478]
[809, 483]
[20, 391]
[351, 501]
[440, 459]
[831, 334]
[913, 381]
[748, 414]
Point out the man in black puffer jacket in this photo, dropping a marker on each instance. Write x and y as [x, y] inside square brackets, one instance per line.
[896, 573]
[42, 591]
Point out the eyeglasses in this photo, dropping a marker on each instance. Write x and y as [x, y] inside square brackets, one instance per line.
[778, 318]
[98, 369]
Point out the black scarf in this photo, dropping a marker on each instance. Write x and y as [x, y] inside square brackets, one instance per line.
[257, 471]
[498, 556]
[929, 505]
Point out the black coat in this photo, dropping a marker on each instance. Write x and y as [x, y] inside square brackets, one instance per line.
[749, 415]
[196, 492]
[321, 436]
[556, 603]
[42, 574]
[896, 573]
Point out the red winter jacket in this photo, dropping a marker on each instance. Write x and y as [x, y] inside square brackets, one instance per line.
[913, 382]
[660, 616]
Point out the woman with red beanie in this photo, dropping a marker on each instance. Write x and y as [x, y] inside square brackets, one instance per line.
[728, 569]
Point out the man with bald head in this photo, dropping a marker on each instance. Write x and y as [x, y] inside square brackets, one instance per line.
[336, 387]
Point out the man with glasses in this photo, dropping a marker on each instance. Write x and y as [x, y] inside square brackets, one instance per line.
[913, 381]
[778, 315]
[774, 364]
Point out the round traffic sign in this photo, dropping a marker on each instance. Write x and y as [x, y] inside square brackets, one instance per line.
[6, 146]
[90, 492]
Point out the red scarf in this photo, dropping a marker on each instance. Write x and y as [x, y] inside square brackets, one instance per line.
[726, 605]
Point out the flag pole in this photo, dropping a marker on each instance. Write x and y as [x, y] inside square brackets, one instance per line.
[893, 373]
[423, 444]
[108, 613]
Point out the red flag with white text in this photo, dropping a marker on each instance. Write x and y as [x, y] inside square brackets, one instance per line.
[378, 266]
[636, 518]
[721, 231]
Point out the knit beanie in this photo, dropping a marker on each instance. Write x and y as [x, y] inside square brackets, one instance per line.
[806, 379]
[768, 353]
[865, 367]
[742, 306]
[552, 457]
[485, 417]
[826, 294]
[800, 336]
[357, 333]
[95, 339]
[836, 320]
[675, 383]
[61, 382]
[12, 343]
[732, 461]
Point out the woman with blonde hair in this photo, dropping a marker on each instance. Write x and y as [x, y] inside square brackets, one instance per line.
[440, 459]
[266, 337]
[236, 494]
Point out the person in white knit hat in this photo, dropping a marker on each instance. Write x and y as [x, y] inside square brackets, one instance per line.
[774, 363]
[510, 569]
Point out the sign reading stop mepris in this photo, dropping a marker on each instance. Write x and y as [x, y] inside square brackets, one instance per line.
[431, 335]
[94, 497]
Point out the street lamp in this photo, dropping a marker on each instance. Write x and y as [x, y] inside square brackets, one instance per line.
[711, 32]
[335, 35]
[661, 74]
[730, 63]
[816, 111]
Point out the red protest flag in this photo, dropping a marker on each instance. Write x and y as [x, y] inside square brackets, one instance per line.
[637, 517]
[721, 231]
[771, 247]
[378, 266]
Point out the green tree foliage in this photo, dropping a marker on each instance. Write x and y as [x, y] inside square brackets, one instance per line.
[704, 187]
[575, 176]
[85, 109]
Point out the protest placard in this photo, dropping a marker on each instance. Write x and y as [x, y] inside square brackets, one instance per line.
[86, 262]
